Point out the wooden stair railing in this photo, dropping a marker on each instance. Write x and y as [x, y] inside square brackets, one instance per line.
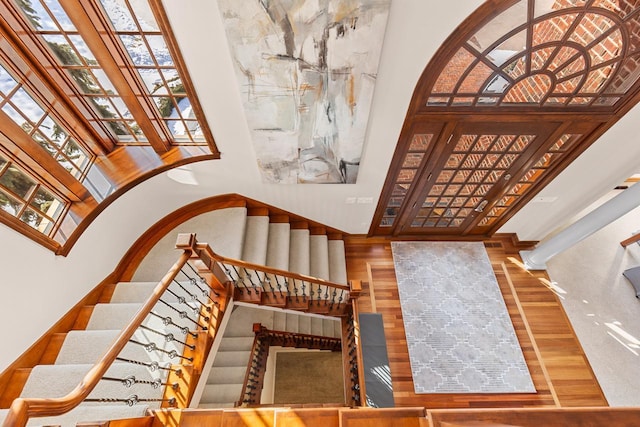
[257, 366]
[258, 284]
[24, 408]
[353, 366]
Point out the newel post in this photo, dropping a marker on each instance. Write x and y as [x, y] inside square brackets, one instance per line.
[355, 288]
[207, 267]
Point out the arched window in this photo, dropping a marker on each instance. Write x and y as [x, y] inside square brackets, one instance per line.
[509, 101]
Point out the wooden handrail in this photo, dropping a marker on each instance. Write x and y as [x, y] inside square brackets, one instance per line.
[203, 249]
[22, 409]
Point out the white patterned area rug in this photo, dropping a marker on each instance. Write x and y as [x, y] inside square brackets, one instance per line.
[460, 336]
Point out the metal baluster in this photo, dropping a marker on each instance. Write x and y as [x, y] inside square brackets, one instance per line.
[253, 285]
[150, 346]
[166, 321]
[304, 295]
[194, 297]
[295, 289]
[153, 366]
[202, 280]
[131, 400]
[168, 337]
[279, 286]
[131, 380]
[183, 314]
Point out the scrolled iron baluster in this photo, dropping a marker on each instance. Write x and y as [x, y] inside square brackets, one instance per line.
[183, 315]
[202, 280]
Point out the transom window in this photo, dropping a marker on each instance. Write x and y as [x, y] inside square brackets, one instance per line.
[562, 53]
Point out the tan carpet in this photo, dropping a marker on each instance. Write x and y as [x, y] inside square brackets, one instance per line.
[309, 377]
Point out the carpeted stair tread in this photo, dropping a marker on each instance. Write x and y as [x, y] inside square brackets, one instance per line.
[51, 381]
[304, 324]
[82, 347]
[236, 344]
[222, 229]
[256, 237]
[316, 326]
[231, 358]
[331, 328]
[337, 262]
[132, 292]
[299, 251]
[227, 374]
[319, 256]
[114, 316]
[292, 322]
[279, 320]
[278, 245]
[242, 320]
[221, 393]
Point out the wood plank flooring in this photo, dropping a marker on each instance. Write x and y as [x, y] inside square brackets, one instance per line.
[559, 369]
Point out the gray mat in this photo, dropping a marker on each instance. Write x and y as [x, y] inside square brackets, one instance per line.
[377, 374]
[460, 336]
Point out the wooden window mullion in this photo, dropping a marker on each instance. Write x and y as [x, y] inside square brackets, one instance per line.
[106, 47]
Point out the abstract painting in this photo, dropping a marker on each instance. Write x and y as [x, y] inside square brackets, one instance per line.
[306, 71]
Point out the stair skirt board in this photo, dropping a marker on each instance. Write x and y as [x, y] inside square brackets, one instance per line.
[87, 413]
[254, 239]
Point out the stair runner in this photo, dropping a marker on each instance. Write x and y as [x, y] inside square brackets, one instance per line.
[230, 232]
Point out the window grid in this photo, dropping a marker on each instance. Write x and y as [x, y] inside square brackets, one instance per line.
[139, 33]
[49, 20]
[514, 70]
[538, 170]
[18, 104]
[28, 200]
[474, 167]
[420, 143]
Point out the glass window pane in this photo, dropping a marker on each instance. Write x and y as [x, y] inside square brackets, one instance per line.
[17, 182]
[160, 51]
[42, 200]
[145, 16]
[75, 153]
[119, 15]
[27, 105]
[62, 49]
[7, 82]
[137, 50]
[13, 114]
[44, 143]
[60, 15]
[37, 15]
[83, 49]
[153, 81]
[30, 217]
[9, 204]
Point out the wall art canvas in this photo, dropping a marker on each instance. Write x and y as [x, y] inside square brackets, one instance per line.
[307, 71]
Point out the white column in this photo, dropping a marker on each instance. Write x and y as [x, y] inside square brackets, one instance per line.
[603, 215]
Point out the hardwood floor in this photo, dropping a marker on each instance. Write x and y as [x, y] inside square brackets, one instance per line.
[559, 369]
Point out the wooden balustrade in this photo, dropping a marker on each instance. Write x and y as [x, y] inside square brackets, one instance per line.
[353, 366]
[24, 408]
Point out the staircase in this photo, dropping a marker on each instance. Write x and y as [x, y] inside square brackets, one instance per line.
[225, 380]
[250, 234]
